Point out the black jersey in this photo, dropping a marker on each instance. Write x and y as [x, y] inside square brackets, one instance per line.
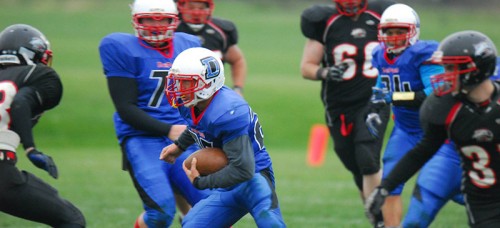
[217, 35]
[27, 91]
[476, 132]
[346, 41]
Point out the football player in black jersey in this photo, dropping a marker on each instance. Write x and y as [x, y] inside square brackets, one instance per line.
[28, 87]
[338, 52]
[465, 108]
[217, 34]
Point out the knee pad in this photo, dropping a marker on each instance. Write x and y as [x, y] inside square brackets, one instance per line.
[155, 218]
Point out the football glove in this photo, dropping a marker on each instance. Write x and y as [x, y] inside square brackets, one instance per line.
[44, 162]
[381, 96]
[333, 73]
[375, 201]
[372, 122]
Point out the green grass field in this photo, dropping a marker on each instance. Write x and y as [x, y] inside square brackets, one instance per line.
[80, 137]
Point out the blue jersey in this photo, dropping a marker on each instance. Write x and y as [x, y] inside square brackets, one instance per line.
[228, 116]
[123, 56]
[496, 75]
[409, 72]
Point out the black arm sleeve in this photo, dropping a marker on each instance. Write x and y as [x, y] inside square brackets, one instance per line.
[23, 105]
[241, 166]
[434, 137]
[185, 140]
[42, 91]
[124, 95]
[415, 103]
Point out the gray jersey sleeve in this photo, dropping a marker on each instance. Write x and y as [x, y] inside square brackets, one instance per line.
[241, 166]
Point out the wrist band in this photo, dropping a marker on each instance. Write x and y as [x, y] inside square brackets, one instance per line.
[238, 89]
[319, 73]
[195, 182]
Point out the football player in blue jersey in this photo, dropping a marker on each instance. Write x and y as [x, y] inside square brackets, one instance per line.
[218, 117]
[404, 66]
[135, 68]
[217, 34]
[464, 107]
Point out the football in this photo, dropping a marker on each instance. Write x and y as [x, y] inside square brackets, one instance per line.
[209, 160]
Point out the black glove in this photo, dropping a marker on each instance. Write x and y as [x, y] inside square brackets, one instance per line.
[44, 162]
[333, 73]
[375, 201]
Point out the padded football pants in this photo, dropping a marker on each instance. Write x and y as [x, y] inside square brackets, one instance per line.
[26, 196]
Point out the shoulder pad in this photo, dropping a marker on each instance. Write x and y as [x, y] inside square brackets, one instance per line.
[422, 51]
[313, 21]
[435, 109]
[318, 13]
[224, 24]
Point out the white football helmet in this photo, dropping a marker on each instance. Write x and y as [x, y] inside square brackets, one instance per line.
[399, 16]
[157, 35]
[196, 74]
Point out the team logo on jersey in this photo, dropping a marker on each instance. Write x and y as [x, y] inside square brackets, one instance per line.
[163, 65]
[390, 70]
[358, 33]
[497, 121]
[483, 135]
[210, 31]
[370, 22]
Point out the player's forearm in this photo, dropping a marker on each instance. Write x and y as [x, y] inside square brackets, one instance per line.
[140, 120]
[124, 96]
[21, 121]
[241, 166]
[185, 140]
[239, 73]
[416, 158]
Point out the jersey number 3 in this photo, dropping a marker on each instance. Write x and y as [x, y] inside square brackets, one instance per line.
[481, 174]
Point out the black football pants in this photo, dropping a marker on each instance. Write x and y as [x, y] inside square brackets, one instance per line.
[26, 196]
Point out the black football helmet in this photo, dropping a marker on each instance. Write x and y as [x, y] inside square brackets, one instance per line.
[351, 7]
[24, 44]
[469, 58]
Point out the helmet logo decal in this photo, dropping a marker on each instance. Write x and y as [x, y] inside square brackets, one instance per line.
[38, 44]
[212, 67]
[481, 48]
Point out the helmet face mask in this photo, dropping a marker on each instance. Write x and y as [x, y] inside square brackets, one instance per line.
[196, 13]
[469, 58]
[24, 44]
[155, 22]
[196, 75]
[395, 19]
[351, 7]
